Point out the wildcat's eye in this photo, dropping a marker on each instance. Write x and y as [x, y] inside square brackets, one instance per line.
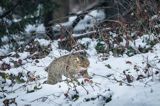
[77, 59]
[82, 57]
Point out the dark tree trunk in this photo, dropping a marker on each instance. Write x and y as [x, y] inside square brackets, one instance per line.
[62, 11]
[56, 16]
[48, 17]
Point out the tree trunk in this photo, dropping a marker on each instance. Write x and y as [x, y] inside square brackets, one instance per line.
[60, 11]
[48, 17]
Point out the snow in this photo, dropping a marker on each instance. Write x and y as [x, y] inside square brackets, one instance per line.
[144, 92]
[43, 42]
[108, 76]
[30, 28]
[136, 96]
[3, 51]
[38, 28]
[88, 22]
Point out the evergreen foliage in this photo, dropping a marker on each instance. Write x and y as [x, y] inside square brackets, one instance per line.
[16, 14]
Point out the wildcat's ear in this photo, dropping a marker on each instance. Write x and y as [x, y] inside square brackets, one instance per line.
[83, 53]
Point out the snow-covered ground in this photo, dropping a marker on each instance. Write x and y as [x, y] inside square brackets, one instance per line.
[109, 85]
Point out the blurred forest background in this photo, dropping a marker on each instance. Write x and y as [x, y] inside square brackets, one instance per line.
[120, 15]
